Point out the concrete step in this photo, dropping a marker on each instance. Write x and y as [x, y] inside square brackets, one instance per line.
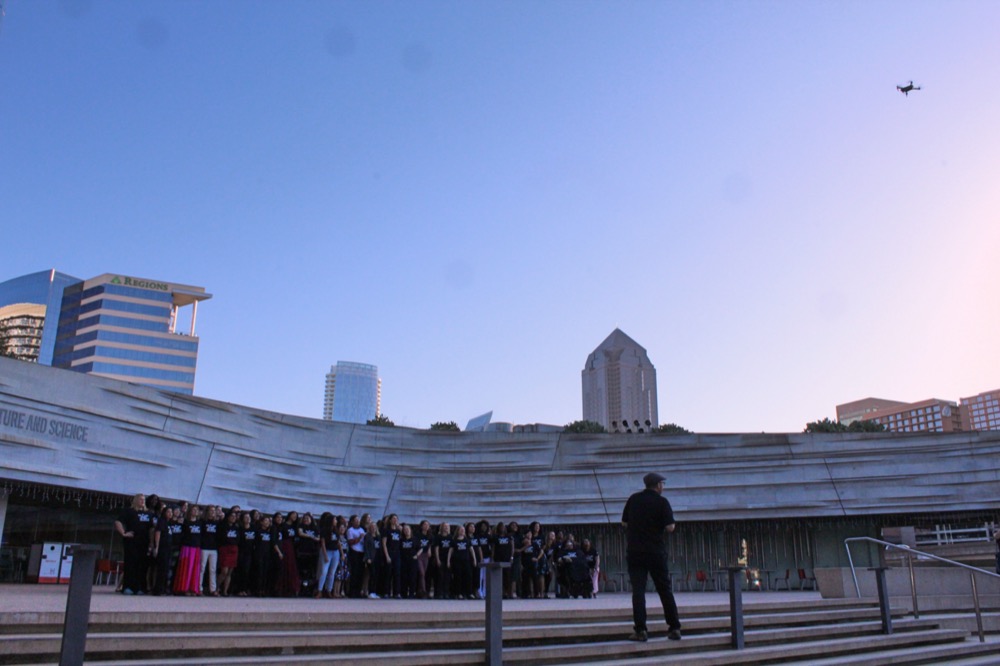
[535, 644]
[652, 652]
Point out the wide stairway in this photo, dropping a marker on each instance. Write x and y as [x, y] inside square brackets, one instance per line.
[811, 632]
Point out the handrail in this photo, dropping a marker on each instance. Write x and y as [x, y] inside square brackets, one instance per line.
[913, 588]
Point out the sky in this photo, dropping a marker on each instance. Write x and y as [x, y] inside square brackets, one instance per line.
[473, 195]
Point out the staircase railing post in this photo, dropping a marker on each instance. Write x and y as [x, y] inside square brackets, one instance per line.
[494, 611]
[883, 598]
[913, 586]
[81, 585]
[736, 606]
[979, 612]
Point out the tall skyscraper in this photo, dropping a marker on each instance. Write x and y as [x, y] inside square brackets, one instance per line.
[353, 393]
[112, 325]
[619, 384]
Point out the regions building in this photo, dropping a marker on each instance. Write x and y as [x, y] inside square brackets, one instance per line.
[353, 393]
[619, 385]
[112, 325]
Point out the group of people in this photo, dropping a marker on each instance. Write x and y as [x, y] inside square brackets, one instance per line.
[191, 550]
[185, 549]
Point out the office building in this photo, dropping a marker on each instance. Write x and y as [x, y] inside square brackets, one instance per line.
[978, 412]
[981, 412]
[931, 415]
[25, 303]
[353, 393]
[116, 326]
[619, 385]
[849, 412]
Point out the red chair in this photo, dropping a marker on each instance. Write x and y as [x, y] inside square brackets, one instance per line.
[806, 580]
[701, 577]
[784, 580]
[105, 569]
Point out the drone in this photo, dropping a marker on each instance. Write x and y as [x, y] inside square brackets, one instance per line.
[907, 88]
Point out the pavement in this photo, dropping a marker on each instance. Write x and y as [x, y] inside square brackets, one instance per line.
[23, 598]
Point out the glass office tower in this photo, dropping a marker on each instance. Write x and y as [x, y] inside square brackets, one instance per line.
[25, 305]
[353, 393]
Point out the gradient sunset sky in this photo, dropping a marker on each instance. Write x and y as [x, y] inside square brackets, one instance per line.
[473, 195]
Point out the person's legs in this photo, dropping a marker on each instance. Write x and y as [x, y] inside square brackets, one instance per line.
[661, 580]
[638, 571]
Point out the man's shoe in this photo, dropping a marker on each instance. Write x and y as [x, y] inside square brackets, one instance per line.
[674, 634]
[641, 636]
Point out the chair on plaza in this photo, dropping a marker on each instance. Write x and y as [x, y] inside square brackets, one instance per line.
[702, 577]
[806, 580]
[105, 568]
[783, 579]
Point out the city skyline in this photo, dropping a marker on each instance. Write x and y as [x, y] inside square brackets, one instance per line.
[471, 195]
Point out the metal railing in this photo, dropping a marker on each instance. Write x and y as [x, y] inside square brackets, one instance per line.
[910, 552]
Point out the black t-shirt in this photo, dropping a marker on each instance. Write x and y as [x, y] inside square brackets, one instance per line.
[503, 548]
[424, 543]
[139, 523]
[248, 538]
[443, 544]
[308, 545]
[166, 536]
[408, 547]
[647, 514]
[191, 534]
[265, 540]
[209, 535]
[229, 535]
[591, 556]
[392, 540]
[462, 547]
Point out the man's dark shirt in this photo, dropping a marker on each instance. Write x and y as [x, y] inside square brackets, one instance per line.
[647, 514]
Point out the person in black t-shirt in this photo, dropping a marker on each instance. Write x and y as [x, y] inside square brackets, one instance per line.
[442, 546]
[134, 525]
[162, 543]
[462, 562]
[390, 551]
[503, 551]
[647, 519]
[245, 561]
[307, 552]
[424, 558]
[263, 556]
[408, 563]
[229, 551]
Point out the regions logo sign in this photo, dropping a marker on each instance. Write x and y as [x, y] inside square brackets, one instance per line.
[141, 284]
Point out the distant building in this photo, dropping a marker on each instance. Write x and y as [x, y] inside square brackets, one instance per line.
[479, 423]
[33, 296]
[850, 412]
[931, 415]
[981, 412]
[353, 393]
[619, 384]
[111, 325]
[21, 327]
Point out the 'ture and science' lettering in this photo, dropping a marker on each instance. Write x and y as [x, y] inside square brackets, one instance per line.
[15, 420]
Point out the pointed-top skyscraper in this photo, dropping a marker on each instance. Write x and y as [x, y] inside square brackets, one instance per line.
[619, 384]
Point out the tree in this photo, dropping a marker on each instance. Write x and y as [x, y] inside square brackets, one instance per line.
[584, 426]
[864, 425]
[450, 426]
[826, 425]
[672, 429]
[381, 420]
[861, 425]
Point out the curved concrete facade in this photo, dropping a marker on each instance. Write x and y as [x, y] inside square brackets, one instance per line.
[83, 432]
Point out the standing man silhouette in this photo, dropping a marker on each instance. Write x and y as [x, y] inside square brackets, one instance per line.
[647, 519]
